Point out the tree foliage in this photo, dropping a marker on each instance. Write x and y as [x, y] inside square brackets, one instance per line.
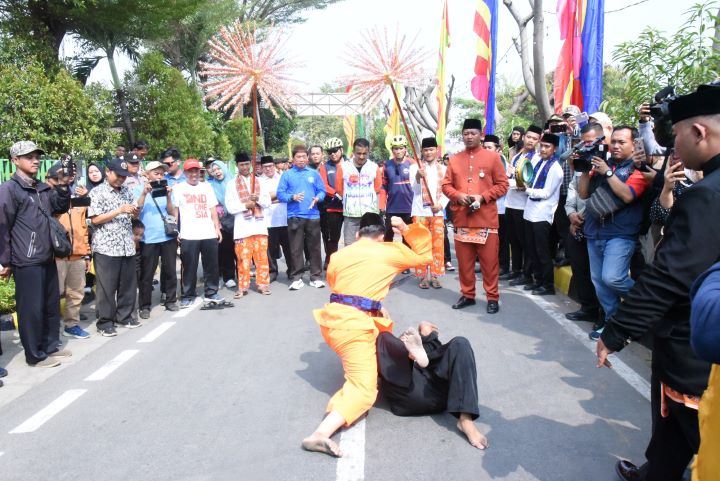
[316, 130]
[655, 59]
[239, 133]
[279, 11]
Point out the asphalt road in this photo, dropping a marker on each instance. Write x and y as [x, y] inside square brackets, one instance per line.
[228, 395]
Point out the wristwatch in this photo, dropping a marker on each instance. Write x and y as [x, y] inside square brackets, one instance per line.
[609, 173]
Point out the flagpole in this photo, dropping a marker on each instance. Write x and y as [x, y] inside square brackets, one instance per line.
[254, 138]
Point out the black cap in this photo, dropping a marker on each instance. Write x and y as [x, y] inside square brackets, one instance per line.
[371, 218]
[119, 166]
[209, 160]
[551, 139]
[241, 157]
[535, 129]
[492, 138]
[266, 159]
[519, 129]
[428, 142]
[704, 101]
[131, 158]
[53, 171]
[472, 124]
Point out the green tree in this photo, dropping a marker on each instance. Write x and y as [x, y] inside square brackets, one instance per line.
[279, 11]
[376, 135]
[239, 134]
[167, 111]
[316, 130]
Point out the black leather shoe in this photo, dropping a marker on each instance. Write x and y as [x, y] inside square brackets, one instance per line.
[520, 281]
[544, 291]
[531, 286]
[581, 315]
[493, 307]
[463, 302]
[509, 276]
[627, 471]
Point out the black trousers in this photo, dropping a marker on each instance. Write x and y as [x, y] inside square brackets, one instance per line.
[504, 254]
[37, 301]
[302, 233]
[581, 283]
[226, 256]
[277, 238]
[449, 383]
[521, 262]
[389, 234]
[150, 254]
[190, 252]
[330, 227]
[116, 279]
[559, 235]
[542, 256]
[446, 240]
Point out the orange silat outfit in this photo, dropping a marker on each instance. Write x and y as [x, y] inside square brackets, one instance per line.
[365, 269]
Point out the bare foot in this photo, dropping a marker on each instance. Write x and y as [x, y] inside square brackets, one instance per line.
[321, 444]
[413, 343]
[474, 436]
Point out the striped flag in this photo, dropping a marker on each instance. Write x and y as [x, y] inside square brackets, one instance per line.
[579, 71]
[349, 129]
[483, 85]
[441, 100]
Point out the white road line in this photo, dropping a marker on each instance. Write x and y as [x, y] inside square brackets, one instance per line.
[623, 370]
[351, 467]
[186, 311]
[108, 368]
[157, 332]
[45, 414]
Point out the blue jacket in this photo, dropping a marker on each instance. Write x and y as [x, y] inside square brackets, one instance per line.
[705, 315]
[293, 181]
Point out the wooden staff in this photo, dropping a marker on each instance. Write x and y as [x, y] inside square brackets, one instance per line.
[254, 139]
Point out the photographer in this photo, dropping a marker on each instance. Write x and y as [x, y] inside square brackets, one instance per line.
[613, 218]
[156, 243]
[27, 252]
[659, 301]
[72, 269]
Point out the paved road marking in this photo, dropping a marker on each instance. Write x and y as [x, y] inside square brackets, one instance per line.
[108, 368]
[186, 311]
[157, 332]
[45, 414]
[621, 369]
[351, 467]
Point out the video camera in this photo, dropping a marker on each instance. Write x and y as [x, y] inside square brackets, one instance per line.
[69, 168]
[585, 153]
[159, 188]
[660, 111]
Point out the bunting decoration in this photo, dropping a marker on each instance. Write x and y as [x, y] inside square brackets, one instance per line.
[482, 85]
[441, 99]
[579, 71]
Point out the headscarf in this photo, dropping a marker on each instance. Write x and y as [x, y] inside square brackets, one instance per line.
[90, 185]
[219, 186]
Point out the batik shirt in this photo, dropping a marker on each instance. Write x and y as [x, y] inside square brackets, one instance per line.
[115, 237]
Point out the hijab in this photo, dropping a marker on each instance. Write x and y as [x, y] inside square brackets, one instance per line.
[219, 186]
[89, 184]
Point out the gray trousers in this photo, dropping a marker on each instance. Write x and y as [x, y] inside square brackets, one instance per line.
[351, 226]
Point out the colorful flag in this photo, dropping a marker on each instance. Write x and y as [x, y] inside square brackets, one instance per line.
[349, 129]
[392, 127]
[579, 71]
[441, 101]
[483, 85]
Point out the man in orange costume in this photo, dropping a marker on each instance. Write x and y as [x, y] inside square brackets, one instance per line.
[474, 180]
[359, 277]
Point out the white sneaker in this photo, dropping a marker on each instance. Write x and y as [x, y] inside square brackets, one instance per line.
[318, 284]
[230, 284]
[298, 284]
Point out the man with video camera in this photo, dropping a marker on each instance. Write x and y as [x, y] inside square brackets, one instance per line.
[613, 217]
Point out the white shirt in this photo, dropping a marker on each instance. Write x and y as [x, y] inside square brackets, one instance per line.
[431, 175]
[195, 204]
[245, 227]
[277, 212]
[543, 209]
[516, 199]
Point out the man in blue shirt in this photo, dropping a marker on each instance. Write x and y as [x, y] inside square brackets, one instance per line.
[302, 189]
[396, 182]
[171, 159]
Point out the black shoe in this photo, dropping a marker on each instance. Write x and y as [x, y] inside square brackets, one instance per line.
[107, 331]
[531, 287]
[493, 307]
[145, 313]
[544, 291]
[561, 262]
[463, 302]
[172, 306]
[627, 471]
[581, 315]
[502, 272]
[520, 281]
[131, 324]
[3, 372]
[509, 276]
[83, 317]
[88, 298]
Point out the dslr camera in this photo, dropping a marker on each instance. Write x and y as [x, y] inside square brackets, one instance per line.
[585, 153]
[159, 188]
[660, 112]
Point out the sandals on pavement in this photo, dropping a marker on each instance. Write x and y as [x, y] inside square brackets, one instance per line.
[424, 284]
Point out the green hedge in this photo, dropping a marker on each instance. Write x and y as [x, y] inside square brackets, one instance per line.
[7, 296]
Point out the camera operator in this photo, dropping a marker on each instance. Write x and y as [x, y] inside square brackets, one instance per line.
[613, 232]
[72, 269]
[659, 301]
[156, 243]
[26, 251]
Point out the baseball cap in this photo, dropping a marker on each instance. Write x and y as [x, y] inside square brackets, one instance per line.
[119, 166]
[24, 147]
[571, 110]
[602, 118]
[192, 164]
[155, 165]
[555, 118]
[132, 158]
